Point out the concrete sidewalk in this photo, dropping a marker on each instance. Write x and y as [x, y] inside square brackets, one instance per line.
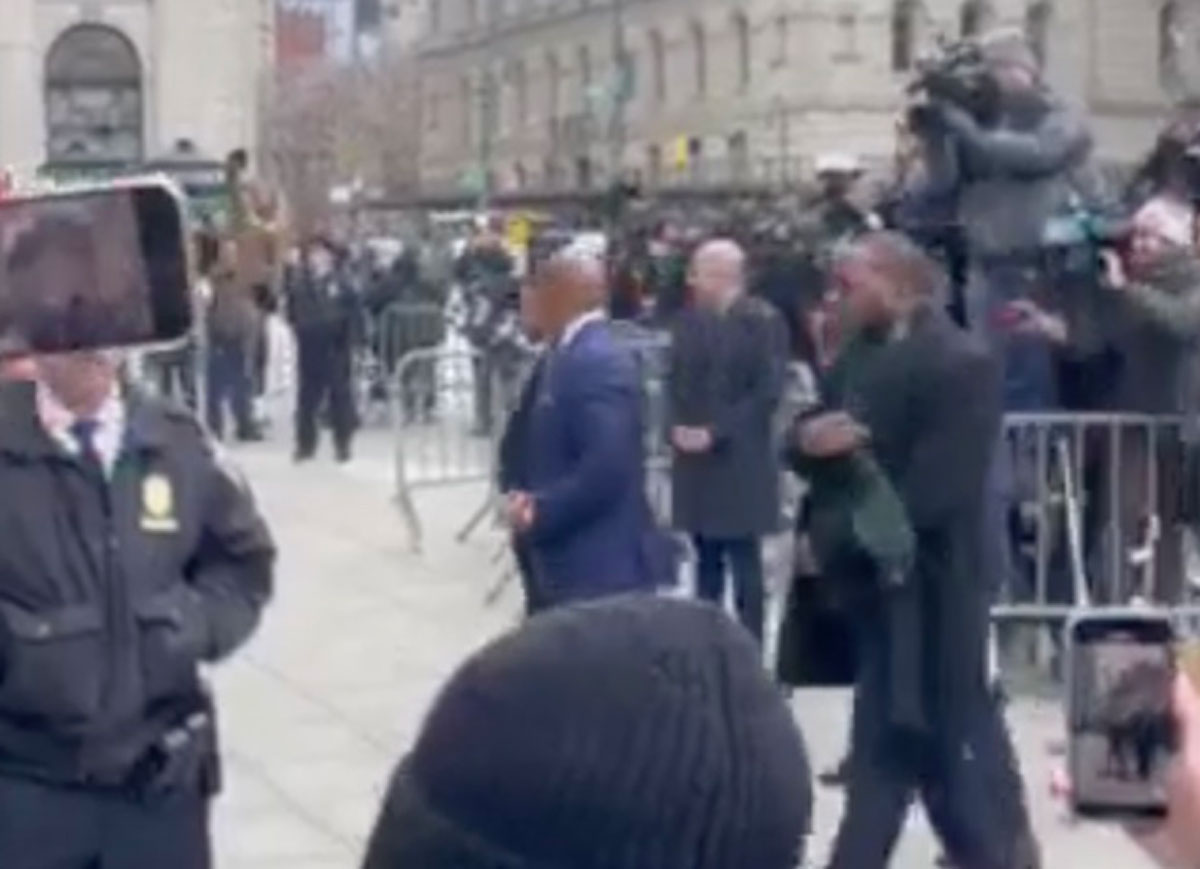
[331, 692]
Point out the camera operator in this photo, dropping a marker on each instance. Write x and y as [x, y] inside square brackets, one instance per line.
[1011, 164]
[1150, 317]
[129, 556]
[486, 272]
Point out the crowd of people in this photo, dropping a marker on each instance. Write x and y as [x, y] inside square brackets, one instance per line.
[614, 727]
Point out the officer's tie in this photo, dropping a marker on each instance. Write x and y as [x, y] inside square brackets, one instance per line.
[84, 432]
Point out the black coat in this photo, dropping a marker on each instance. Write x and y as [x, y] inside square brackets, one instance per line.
[328, 311]
[111, 596]
[931, 401]
[726, 374]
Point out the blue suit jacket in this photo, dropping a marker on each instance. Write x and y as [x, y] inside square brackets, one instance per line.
[583, 460]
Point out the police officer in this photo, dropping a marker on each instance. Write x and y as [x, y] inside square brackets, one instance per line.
[128, 556]
[326, 313]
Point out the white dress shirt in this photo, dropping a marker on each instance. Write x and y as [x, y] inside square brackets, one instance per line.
[57, 421]
[577, 325]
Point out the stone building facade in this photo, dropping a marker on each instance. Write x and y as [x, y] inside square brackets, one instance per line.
[94, 83]
[723, 90]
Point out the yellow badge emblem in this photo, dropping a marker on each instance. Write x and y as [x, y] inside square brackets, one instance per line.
[158, 505]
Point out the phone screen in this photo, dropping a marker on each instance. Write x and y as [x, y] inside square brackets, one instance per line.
[92, 269]
[1121, 723]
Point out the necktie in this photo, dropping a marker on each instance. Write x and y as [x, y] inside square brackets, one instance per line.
[84, 432]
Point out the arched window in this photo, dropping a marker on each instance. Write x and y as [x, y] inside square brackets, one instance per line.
[741, 36]
[658, 66]
[1038, 18]
[583, 61]
[699, 57]
[904, 34]
[93, 97]
[1169, 42]
[974, 17]
[553, 86]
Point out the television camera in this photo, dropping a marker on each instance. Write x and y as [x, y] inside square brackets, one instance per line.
[956, 75]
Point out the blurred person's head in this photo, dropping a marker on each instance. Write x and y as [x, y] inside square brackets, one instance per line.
[54, 263]
[718, 273]
[634, 732]
[1162, 227]
[564, 287]
[880, 278]
[320, 258]
[81, 381]
[837, 174]
[1011, 60]
[238, 160]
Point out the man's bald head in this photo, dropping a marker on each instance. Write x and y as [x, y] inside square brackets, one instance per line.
[718, 272]
[563, 287]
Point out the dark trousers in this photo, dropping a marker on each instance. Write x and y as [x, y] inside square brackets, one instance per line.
[535, 599]
[229, 382]
[968, 781]
[44, 827]
[744, 559]
[325, 383]
[176, 373]
[418, 390]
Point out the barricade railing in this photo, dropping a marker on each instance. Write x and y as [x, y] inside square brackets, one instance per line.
[446, 424]
[1096, 503]
[443, 434]
[1099, 512]
[398, 330]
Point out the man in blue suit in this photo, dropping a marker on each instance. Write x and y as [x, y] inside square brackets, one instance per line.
[573, 459]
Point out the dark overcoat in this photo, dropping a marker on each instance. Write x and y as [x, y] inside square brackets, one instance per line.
[931, 400]
[726, 374]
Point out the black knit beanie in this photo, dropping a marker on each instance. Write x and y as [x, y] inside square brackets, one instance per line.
[633, 733]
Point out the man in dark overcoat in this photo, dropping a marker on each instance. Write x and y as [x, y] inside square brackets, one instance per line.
[924, 406]
[726, 379]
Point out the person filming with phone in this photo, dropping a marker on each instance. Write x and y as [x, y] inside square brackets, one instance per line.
[129, 555]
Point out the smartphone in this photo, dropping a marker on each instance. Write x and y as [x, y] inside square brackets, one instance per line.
[96, 267]
[1120, 724]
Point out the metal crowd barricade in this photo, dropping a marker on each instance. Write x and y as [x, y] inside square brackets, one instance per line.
[400, 329]
[1097, 499]
[441, 445]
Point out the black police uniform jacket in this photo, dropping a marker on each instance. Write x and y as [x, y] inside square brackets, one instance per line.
[111, 594]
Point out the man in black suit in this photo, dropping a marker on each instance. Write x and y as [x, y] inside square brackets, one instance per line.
[920, 399]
